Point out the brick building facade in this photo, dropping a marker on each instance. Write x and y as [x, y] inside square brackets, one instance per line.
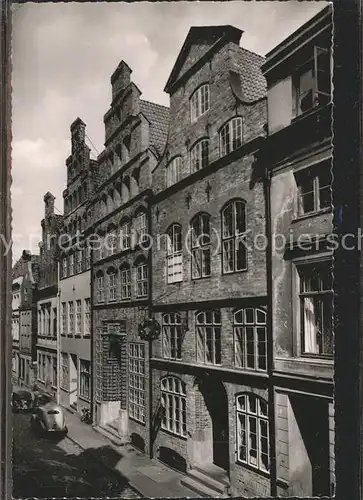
[47, 299]
[297, 157]
[75, 283]
[135, 134]
[209, 282]
[24, 328]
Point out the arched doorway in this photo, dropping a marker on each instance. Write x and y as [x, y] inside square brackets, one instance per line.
[211, 419]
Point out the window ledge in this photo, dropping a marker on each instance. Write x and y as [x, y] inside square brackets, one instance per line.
[171, 433]
[84, 398]
[253, 469]
[137, 421]
[309, 215]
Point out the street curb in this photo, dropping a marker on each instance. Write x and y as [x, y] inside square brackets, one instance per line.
[111, 469]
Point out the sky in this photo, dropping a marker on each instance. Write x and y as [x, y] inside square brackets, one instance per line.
[63, 55]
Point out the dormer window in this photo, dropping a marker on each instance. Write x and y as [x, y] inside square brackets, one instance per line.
[199, 155]
[173, 171]
[311, 82]
[230, 136]
[199, 102]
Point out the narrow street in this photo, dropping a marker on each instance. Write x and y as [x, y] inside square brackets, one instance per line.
[48, 467]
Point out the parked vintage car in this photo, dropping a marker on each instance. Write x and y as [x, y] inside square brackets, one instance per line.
[49, 418]
[22, 401]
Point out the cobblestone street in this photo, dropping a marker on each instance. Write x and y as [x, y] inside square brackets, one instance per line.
[44, 468]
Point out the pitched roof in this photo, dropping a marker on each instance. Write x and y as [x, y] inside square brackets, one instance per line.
[158, 117]
[252, 80]
[209, 35]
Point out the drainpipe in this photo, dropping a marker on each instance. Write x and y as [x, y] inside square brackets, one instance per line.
[270, 338]
[150, 284]
[58, 332]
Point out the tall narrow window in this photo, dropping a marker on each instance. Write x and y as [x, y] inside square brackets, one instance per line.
[141, 280]
[250, 341]
[112, 286]
[54, 372]
[173, 401]
[312, 82]
[125, 283]
[234, 251]
[79, 261]
[71, 264]
[173, 171]
[64, 318]
[54, 332]
[112, 242]
[208, 336]
[201, 252]
[172, 336]
[65, 267]
[137, 381]
[100, 289]
[64, 370]
[125, 234]
[314, 188]
[199, 102]
[316, 305]
[70, 317]
[87, 316]
[140, 226]
[199, 155]
[88, 257]
[252, 431]
[85, 378]
[230, 136]
[78, 317]
[174, 256]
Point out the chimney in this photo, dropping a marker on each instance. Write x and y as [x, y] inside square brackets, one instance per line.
[27, 257]
[120, 78]
[49, 204]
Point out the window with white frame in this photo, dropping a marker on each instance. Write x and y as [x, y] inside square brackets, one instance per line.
[125, 283]
[208, 337]
[234, 251]
[71, 264]
[141, 280]
[64, 371]
[64, 318]
[173, 171]
[112, 281]
[230, 136]
[65, 267]
[200, 245]
[172, 336]
[100, 289]
[250, 340]
[314, 188]
[199, 155]
[141, 229]
[112, 242]
[70, 317]
[78, 317]
[174, 254]
[173, 402]
[252, 431]
[79, 261]
[199, 102]
[125, 233]
[87, 316]
[312, 82]
[85, 378]
[316, 308]
[137, 381]
[102, 248]
[88, 257]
